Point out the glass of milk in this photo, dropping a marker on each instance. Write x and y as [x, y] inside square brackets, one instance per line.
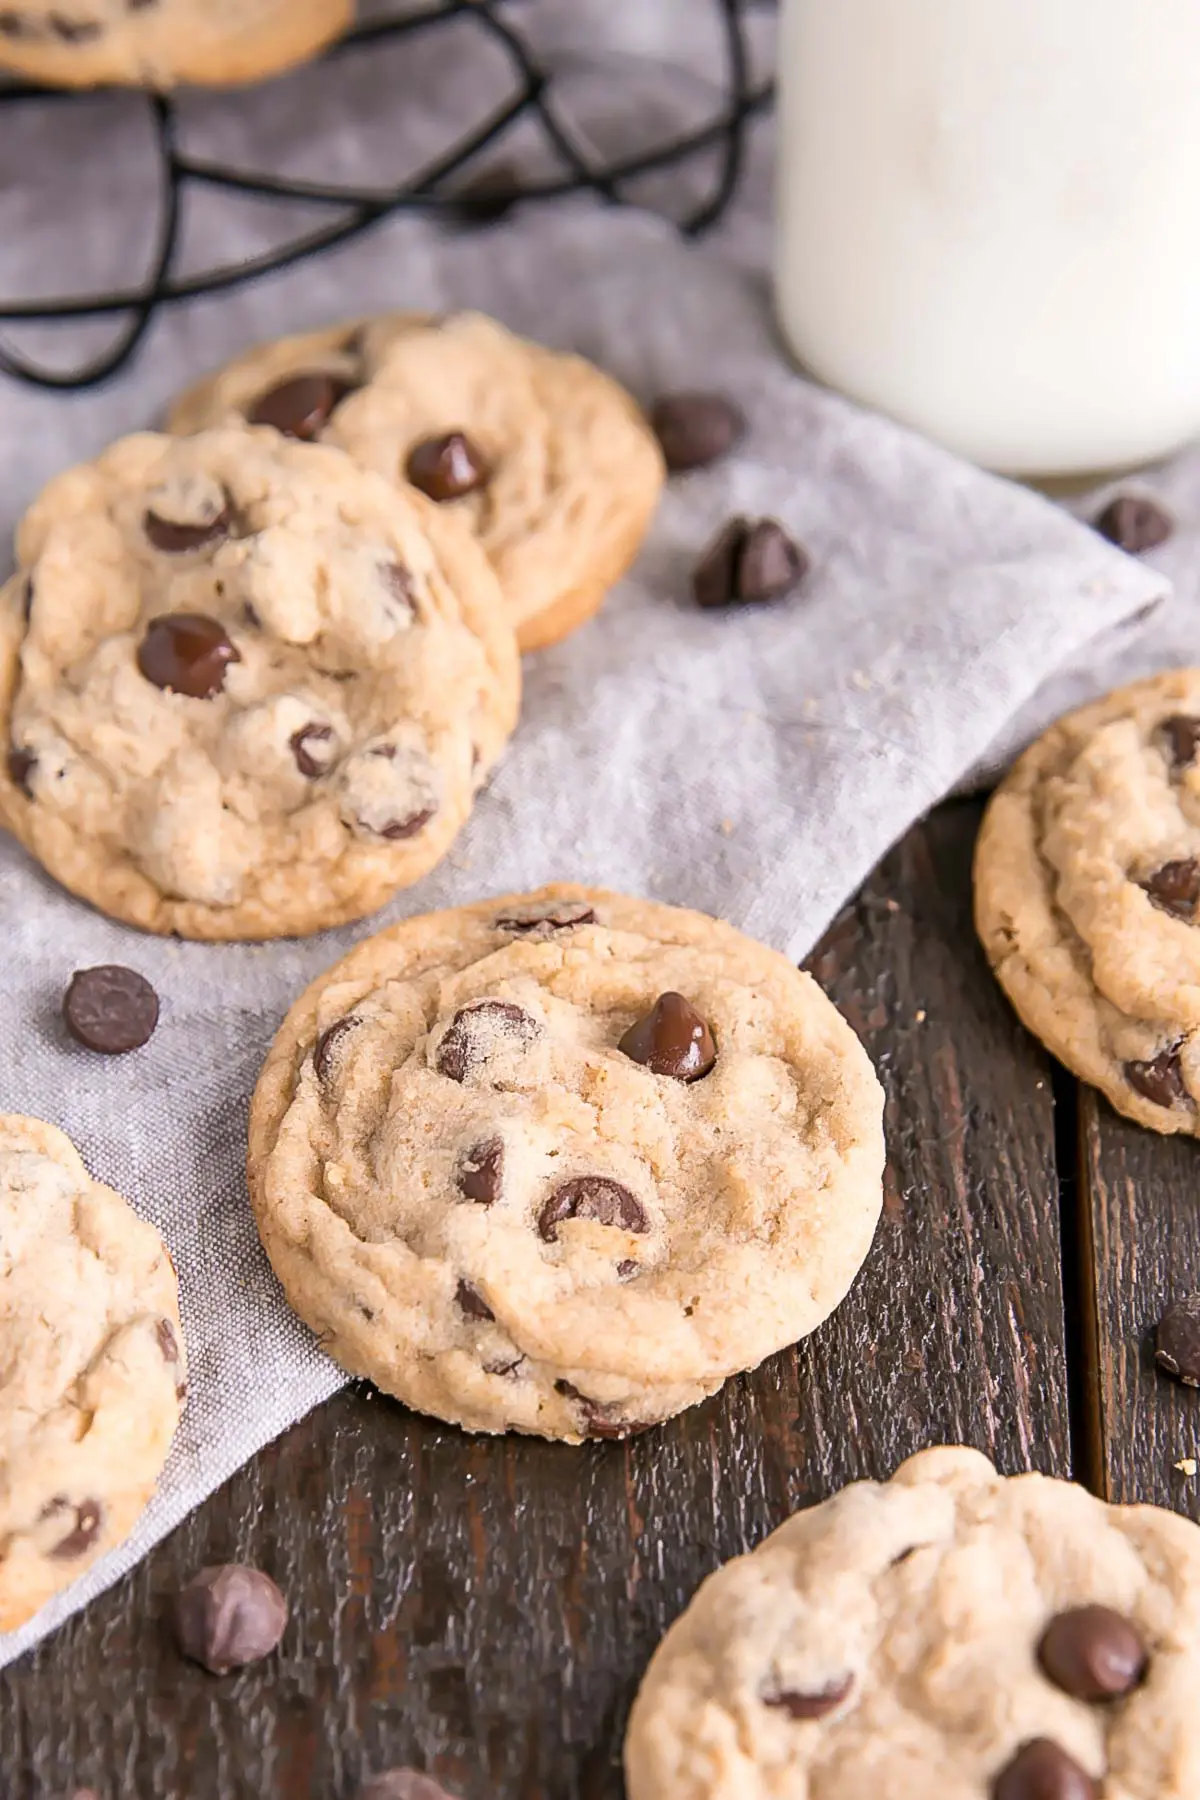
[989, 220]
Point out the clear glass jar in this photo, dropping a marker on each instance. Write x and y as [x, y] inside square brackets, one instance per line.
[989, 220]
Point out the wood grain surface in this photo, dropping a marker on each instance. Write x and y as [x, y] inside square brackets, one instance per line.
[484, 1608]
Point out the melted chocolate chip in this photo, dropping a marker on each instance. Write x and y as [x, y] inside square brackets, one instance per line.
[592, 1197]
[694, 429]
[21, 764]
[1041, 1771]
[476, 1030]
[305, 746]
[1160, 1079]
[1093, 1654]
[814, 1704]
[749, 560]
[175, 536]
[1175, 887]
[1181, 737]
[472, 1302]
[228, 1616]
[1177, 1341]
[446, 468]
[89, 1520]
[481, 1172]
[326, 1050]
[545, 923]
[599, 1421]
[672, 1039]
[110, 1009]
[186, 653]
[301, 406]
[1134, 523]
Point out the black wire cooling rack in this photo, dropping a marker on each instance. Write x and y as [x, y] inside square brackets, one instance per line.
[438, 188]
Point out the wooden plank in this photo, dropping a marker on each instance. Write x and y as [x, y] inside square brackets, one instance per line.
[1140, 1246]
[485, 1608]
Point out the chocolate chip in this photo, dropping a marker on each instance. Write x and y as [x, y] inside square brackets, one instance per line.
[21, 764]
[174, 536]
[186, 653]
[407, 827]
[695, 428]
[448, 467]
[626, 1269]
[326, 1049]
[305, 744]
[1175, 887]
[229, 1615]
[89, 1519]
[110, 1009]
[1092, 1653]
[749, 560]
[481, 1172]
[399, 584]
[477, 1030]
[403, 1784]
[73, 31]
[814, 1704]
[472, 1302]
[671, 1039]
[1041, 1771]
[592, 1197]
[1134, 523]
[599, 1421]
[545, 922]
[1177, 1341]
[1160, 1079]
[1182, 737]
[168, 1343]
[301, 406]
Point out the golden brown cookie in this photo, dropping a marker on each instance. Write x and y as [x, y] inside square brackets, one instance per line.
[562, 1162]
[550, 462]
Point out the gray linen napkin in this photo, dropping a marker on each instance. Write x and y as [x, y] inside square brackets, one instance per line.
[754, 763]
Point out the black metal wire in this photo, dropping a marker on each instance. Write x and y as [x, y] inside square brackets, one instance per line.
[432, 189]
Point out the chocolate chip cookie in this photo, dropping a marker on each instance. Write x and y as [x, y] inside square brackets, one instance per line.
[561, 1163]
[1087, 879]
[94, 1372]
[947, 1633]
[159, 43]
[248, 688]
[550, 462]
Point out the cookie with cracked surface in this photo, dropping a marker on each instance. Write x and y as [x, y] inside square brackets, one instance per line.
[550, 462]
[160, 43]
[1087, 879]
[249, 689]
[94, 1369]
[562, 1162]
[949, 1632]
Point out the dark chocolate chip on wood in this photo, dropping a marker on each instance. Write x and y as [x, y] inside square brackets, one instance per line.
[1177, 1341]
[472, 1302]
[110, 1009]
[1159, 1079]
[446, 468]
[312, 748]
[672, 1039]
[592, 1197]
[1175, 887]
[301, 406]
[1092, 1653]
[1134, 523]
[228, 1616]
[80, 1536]
[1181, 735]
[175, 536]
[481, 1171]
[478, 1030]
[328, 1047]
[403, 1784]
[186, 653]
[749, 560]
[811, 1703]
[1041, 1770]
[695, 428]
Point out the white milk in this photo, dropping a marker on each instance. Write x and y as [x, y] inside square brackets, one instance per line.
[989, 220]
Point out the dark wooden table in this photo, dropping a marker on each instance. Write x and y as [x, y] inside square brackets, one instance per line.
[484, 1608]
